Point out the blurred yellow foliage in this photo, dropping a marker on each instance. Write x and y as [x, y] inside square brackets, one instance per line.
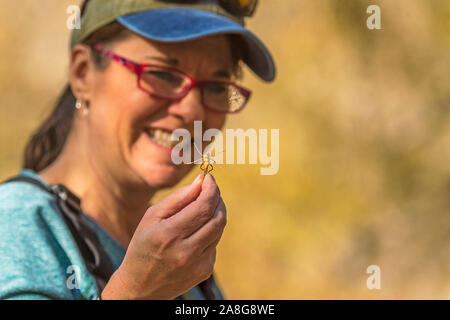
[364, 145]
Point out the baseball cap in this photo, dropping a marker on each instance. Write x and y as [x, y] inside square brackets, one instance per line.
[176, 21]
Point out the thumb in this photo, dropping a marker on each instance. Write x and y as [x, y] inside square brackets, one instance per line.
[174, 202]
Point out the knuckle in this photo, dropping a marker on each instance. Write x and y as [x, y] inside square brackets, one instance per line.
[158, 238]
[182, 259]
[220, 220]
[162, 239]
[205, 210]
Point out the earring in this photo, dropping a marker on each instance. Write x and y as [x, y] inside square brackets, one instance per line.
[79, 107]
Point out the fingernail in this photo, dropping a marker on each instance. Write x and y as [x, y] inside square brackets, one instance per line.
[212, 177]
[197, 180]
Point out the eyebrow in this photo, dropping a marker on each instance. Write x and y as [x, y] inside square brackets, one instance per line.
[222, 74]
[174, 63]
[170, 61]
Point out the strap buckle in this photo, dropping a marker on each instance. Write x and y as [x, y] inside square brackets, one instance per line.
[67, 196]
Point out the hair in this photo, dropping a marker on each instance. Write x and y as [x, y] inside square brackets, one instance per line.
[47, 142]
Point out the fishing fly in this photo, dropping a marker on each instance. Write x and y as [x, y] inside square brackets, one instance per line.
[206, 161]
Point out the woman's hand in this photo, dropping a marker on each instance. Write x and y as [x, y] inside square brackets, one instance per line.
[174, 246]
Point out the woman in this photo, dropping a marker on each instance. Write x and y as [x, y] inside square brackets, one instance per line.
[138, 71]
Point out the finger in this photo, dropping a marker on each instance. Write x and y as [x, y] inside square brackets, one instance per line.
[210, 233]
[198, 212]
[173, 203]
[212, 178]
[213, 245]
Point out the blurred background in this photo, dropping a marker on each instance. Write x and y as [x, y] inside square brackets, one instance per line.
[364, 175]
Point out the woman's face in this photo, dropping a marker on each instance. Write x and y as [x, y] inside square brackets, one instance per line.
[124, 122]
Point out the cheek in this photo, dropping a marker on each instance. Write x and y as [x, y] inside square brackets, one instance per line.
[137, 113]
[119, 113]
[215, 120]
[121, 102]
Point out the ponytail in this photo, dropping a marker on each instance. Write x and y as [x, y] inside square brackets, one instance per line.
[47, 142]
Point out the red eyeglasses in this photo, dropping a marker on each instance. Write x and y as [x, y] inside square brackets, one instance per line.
[172, 84]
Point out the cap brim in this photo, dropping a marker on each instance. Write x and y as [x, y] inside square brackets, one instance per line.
[179, 24]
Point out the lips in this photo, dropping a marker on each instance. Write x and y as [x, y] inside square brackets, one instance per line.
[161, 137]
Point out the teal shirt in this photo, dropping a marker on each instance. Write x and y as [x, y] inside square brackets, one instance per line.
[39, 258]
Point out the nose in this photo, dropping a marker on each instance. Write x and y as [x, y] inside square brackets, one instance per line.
[189, 108]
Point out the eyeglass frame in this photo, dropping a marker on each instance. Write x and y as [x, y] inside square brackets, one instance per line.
[138, 69]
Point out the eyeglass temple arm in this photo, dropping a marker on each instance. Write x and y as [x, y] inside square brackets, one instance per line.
[127, 63]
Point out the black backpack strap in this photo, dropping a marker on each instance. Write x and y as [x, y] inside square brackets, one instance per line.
[97, 260]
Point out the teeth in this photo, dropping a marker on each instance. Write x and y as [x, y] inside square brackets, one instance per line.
[161, 137]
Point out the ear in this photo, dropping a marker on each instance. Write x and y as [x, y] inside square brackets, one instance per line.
[81, 72]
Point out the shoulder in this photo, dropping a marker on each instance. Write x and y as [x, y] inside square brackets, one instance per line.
[36, 247]
[20, 197]
[26, 211]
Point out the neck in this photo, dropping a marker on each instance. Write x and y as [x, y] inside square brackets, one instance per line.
[116, 206]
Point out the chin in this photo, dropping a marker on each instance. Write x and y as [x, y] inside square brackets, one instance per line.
[159, 176]
[152, 162]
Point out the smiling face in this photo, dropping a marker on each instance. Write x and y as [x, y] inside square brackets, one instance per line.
[126, 128]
